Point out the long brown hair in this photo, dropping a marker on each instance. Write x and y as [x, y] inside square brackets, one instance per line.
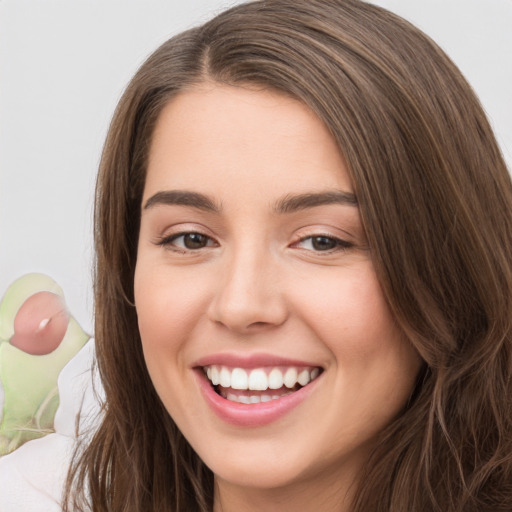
[436, 201]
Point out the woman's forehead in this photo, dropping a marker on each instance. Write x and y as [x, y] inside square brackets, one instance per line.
[231, 138]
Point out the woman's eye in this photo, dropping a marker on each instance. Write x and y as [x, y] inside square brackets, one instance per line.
[188, 241]
[322, 243]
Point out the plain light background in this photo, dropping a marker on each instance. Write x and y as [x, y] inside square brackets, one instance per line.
[63, 67]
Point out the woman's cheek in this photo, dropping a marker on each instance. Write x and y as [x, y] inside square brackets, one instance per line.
[168, 303]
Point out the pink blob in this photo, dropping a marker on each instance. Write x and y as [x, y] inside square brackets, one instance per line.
[40, 324]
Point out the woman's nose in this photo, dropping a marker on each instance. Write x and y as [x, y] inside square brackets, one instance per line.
[249, 297]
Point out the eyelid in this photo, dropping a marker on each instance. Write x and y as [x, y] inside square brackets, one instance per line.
[167, 241]
[168, 231]
[172, 233]
[341, 244]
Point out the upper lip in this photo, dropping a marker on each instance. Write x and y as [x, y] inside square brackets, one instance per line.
[257, 360]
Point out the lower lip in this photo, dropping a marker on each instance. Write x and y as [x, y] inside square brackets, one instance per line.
[251, 415]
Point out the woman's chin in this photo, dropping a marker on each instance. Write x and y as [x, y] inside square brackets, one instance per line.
[257, 479]
[277, 473]
[257, 473]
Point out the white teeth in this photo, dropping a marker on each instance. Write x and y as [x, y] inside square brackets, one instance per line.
[290, 377]
[215, 376]
[253, 399]
[275, 379]
[258, 380]
[303, 378]
[239, 379]
[225, 378]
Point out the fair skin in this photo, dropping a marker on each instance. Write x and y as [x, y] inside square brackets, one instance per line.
[276, 277]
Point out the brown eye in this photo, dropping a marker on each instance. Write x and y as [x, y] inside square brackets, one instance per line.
[191, 241]
[323, 243]
[194, 240]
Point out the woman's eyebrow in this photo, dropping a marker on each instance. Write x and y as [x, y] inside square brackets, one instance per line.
[293, 203]
[287, 204]
[182, 198]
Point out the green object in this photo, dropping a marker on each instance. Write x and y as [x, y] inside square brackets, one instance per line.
[30, 381]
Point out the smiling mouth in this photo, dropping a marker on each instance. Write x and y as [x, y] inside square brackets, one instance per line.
[256, 385]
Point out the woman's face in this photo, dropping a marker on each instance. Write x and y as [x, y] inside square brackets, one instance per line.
[264, 327]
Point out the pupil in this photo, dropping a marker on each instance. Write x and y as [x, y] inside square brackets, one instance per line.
[323, 243]
[194, 241]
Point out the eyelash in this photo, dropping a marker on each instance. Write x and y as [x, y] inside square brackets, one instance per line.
[170, 241]
[339, 245]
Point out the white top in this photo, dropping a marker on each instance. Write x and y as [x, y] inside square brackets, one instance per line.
[32, 477]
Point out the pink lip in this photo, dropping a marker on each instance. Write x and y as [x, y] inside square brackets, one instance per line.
[251, 415]
[249, 361]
